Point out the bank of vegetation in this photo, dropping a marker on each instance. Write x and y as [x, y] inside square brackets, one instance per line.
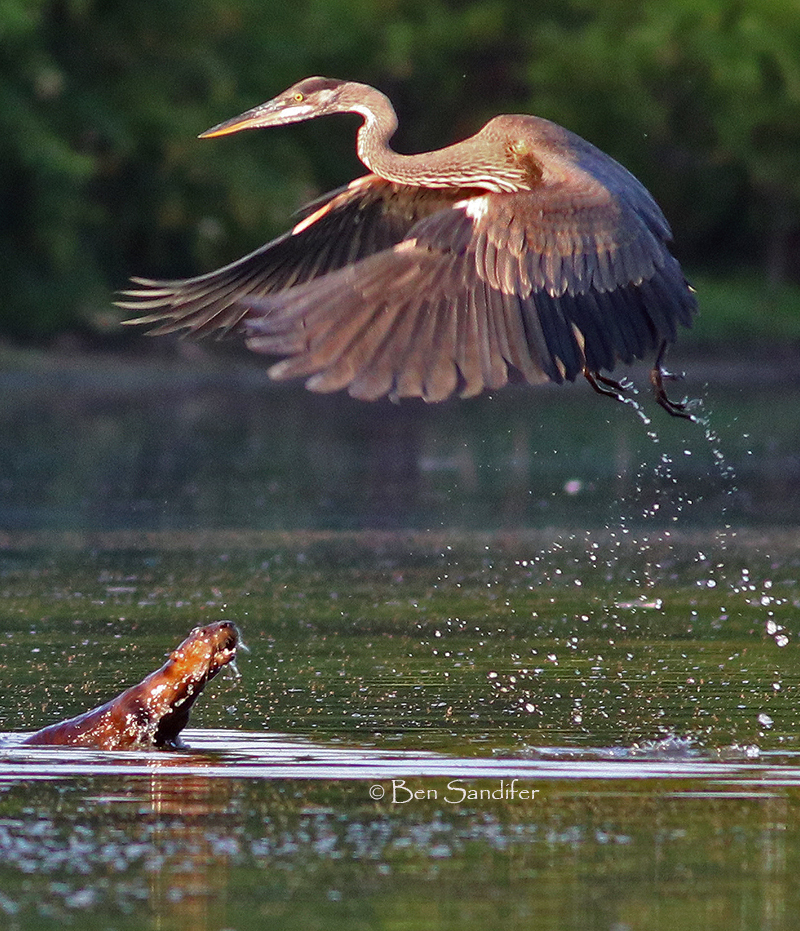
[101, 174]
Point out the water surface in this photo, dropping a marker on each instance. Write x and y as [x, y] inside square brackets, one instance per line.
[526, 660]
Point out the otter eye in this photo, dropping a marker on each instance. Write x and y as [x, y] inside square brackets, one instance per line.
[299, 97]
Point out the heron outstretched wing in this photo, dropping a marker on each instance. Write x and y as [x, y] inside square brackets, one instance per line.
[367, 216]
[550, 282]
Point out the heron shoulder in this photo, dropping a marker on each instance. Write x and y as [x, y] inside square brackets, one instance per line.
[534, 131]
[543, 151]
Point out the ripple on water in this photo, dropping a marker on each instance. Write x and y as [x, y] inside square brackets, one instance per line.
[222, 754]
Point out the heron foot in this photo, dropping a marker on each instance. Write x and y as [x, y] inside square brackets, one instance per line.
[670, 376]
[674, 408]
[607, 386]
[658, 375]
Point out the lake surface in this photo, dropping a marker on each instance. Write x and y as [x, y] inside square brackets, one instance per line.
[525, 661]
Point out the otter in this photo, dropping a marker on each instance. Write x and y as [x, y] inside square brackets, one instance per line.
[154, 712]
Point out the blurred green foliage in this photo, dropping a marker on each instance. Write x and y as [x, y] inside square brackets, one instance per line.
[101, 175]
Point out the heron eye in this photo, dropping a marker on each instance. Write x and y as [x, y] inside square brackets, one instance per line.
[299, 97]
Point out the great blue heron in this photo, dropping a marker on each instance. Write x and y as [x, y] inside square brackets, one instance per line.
[523, 250]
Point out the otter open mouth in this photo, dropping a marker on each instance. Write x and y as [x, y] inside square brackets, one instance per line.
[154, 712]
[225, 642]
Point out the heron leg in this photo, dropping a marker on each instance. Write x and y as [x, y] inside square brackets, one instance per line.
[606, 386]
[657, 377]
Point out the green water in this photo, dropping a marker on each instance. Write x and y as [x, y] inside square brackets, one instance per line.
[119, 446]
[438, 601]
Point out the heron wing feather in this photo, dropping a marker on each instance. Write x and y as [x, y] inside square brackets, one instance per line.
[366, 217]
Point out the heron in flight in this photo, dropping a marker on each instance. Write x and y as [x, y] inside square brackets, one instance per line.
[522, 252]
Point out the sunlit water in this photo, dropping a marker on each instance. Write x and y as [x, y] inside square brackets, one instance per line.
[526, 661]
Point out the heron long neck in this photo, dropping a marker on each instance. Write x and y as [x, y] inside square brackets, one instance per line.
[472, 163]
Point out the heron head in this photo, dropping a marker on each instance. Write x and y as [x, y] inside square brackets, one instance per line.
[305, 100]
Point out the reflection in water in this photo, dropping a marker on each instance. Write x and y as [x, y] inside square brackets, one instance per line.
[183, 821]
[184, 841]
[143, 447]
[159, 833]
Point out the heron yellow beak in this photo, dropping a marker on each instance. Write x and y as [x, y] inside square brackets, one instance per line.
[247, 120]
[275, 112]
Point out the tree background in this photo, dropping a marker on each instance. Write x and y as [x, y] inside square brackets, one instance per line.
[102, 177]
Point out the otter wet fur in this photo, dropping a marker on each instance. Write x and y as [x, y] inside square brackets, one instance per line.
[154, 712]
